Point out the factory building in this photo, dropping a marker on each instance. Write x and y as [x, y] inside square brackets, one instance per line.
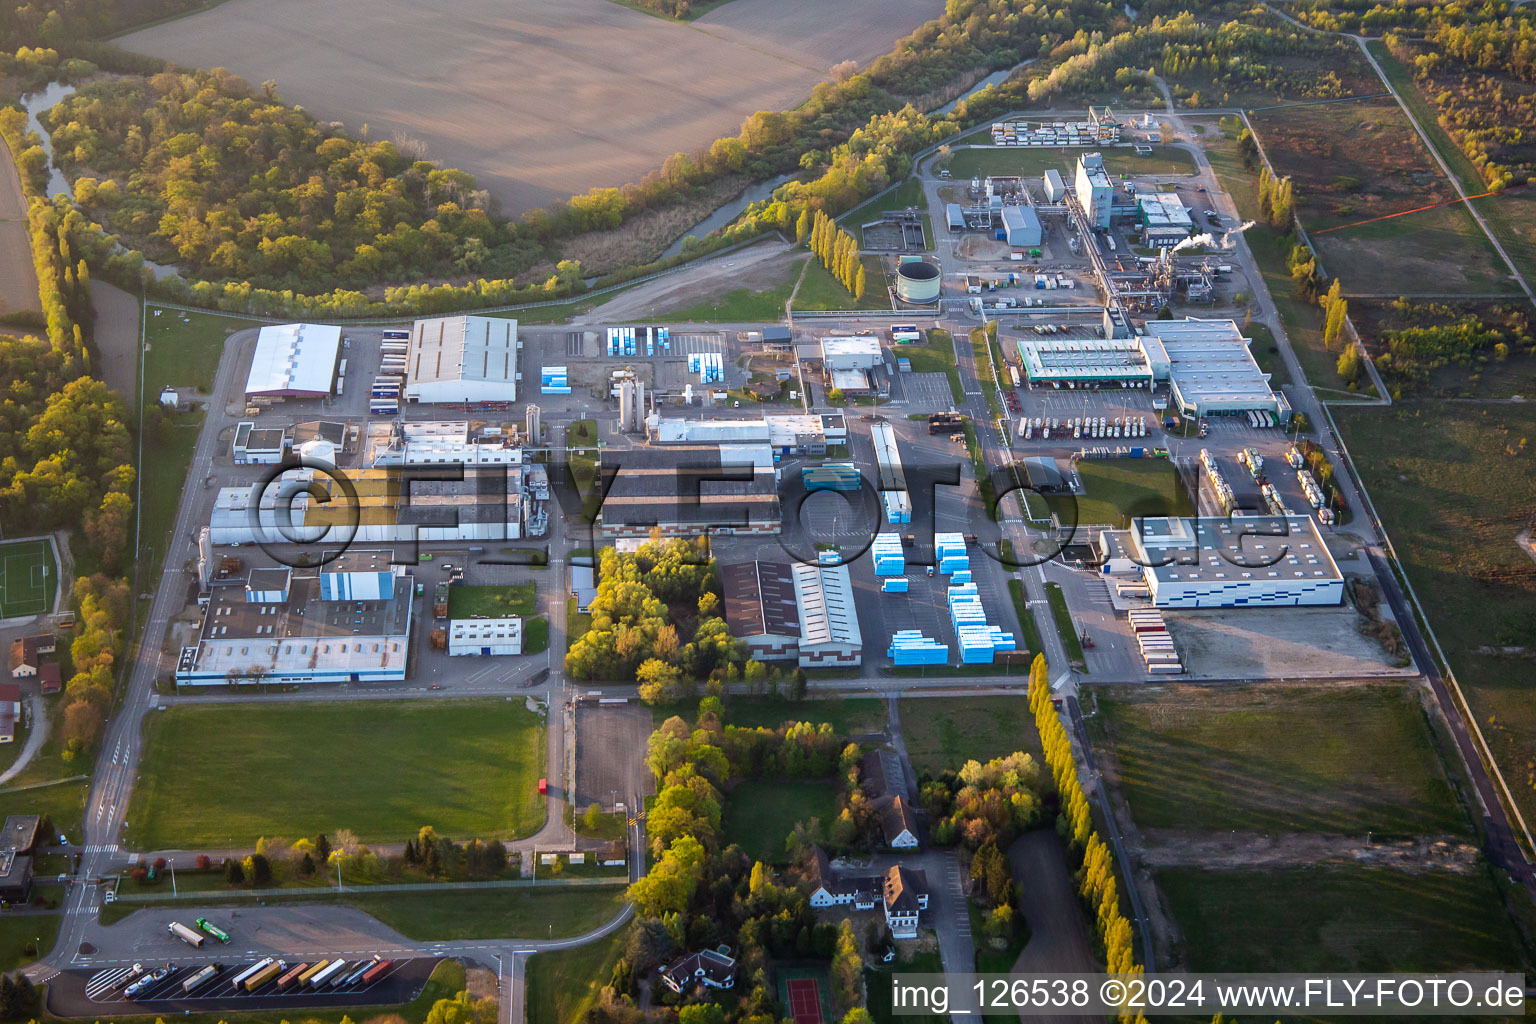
[294, 361]
[1094, 192]
[1165, 221]
[954, 214]
[355, 575]
[277, 627]
[794, 612]
[1021, 226]
[689, 490]
[859, 352]
[1086, 362]
[1055, 187]
[462, 359]
[1210, 368]
[485, 637]
[469, 503]
[1242, 562]
[258, 446]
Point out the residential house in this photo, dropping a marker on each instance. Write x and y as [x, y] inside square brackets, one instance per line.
[906, 897]
[706, 967]
[833, 889]
[26, 654]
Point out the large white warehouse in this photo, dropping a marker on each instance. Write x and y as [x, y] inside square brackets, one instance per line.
[1242, 562]
[462, 359]
[294, 361]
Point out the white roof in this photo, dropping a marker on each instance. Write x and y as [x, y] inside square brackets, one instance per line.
[850, 380]
[824, 596]
[1210, 363]
[856, 345]
[1241, 548]
[509, 627]
[1164, 210]
[677, 430]
[456, 348]
[294, 359]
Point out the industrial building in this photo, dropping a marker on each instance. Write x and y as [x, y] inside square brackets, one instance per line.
[485, 637]
[1084, 362]
[1094, 192]
[462, 359]
[1241, 562]
[276, 626]
[1164, 219]
[294, 361]
[258, 446]
[1210, 368]
[689, 490]
[954, 215]
[1021, 226]
[858, 352]
[391, 505]
[785, 612]
[796, 433]
[893, 480]
[1055, 187]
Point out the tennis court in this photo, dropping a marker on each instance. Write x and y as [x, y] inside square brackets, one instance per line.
[29, 577]
[804, 1000]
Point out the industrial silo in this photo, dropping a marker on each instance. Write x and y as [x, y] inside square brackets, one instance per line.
[917, 283]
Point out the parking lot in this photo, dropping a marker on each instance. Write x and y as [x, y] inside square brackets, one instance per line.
[923, 392]
[610, 754]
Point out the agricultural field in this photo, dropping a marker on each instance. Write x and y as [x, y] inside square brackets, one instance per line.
[942, 735]
[1357, 160]
[761, 813]
[1340, 919]
[1118, 490]
[1026, 162]
[467, 767]
[1455, 485]
[617, 91]
[1277, 760]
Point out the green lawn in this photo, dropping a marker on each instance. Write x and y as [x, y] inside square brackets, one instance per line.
[1454, 483]
[1118, 490]
[535, 635]
[24, 938]
[563, 985]
[1266, 352]
[820, 290]
[944, 733]
[761, 813]
[491, 602]
[1340, 919]
[64, 803]
[1032, 163]
[1268, 760]
[1026, 620]
[877, 986]
[1064, 624]
[226, 775]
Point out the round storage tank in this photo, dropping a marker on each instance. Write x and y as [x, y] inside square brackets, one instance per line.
[917, 282]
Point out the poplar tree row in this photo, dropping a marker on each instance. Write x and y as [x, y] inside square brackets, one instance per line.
[837, 250]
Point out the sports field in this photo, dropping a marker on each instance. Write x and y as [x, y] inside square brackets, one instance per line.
[227, 775]
[805, 993]
[29, 578]
[603, 94]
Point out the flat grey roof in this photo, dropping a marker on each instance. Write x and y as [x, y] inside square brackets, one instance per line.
[1242, 547]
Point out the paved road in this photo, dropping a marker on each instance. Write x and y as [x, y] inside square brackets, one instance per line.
[36, 736]
[1059, 937]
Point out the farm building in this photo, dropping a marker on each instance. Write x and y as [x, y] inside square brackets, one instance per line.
[1244, 562]
[803, 613]
[485, 637]
[689, 491]
[1021, 226]
[294, 361]
[1210, 368]
[462, 359]
[1094, 191]
[1164, 219]
[276, 627]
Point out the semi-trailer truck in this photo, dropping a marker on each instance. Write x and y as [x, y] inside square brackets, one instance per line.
[185, 934]
[308, 976]
[213, 929]
[285, 982]
[324, 977]
[377, 971]
[199, 979]
[240, 976]
[264, 975]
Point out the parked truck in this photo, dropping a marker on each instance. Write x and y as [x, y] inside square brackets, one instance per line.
[292, 975]
[212, 929]
[264, 975]
[185, 934]
[199, 979]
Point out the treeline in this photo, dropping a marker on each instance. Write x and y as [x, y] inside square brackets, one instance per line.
[1445, 336]
[647, 602]
[985, 803]
[66, 22]
[1096, 885]
[837, 250]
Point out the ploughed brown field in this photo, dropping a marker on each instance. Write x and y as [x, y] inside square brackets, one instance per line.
[539, 99]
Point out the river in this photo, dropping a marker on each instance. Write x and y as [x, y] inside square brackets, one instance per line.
[36, 104]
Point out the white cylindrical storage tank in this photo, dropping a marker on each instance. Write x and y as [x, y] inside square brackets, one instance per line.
[917, 282]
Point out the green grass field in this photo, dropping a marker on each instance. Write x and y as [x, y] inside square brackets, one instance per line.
[761, 813]
[1340, 919]
[227, 775]
[944, 734]
[1064, 624]
[849, 716]
[490, 602]
[24, 939]
[1454, 484]
[936, 356]
[1280, 760]
[29, 578]
[64, 803]
[562, 985]
[820, 290]
[1117, 490]
[1027, 162]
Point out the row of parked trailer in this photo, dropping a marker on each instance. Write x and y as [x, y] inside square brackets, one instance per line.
[1262, 420]
[1083, 426]
[1155, 642]
[331, 975]
[384, 397]
[1053, 133]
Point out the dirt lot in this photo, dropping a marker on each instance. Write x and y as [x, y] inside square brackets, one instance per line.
[537, 98]
[18, 281]
[1276, 643]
